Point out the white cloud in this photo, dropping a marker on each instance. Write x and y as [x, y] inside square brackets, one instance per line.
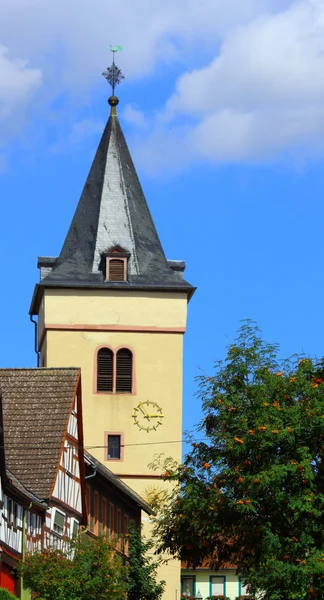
[134, 116]
[18, 82]
[260, 99]
[259, 96]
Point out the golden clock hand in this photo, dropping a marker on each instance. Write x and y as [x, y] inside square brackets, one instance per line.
[143, 410]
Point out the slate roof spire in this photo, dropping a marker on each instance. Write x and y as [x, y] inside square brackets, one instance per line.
[112, 211]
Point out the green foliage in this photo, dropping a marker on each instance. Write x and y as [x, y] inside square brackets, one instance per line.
[6, 595]
[142, 569]
[93, 570]
[218, 597]
[252, 493]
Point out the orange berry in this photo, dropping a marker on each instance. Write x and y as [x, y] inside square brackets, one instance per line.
[239, 502]
[275, 431]
[279, 373]
[240, 479]
[206, 465]
[238, 440]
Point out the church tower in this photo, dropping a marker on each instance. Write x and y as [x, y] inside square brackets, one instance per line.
[112, 304]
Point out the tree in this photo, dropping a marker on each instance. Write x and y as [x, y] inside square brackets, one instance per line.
[142, 569]
[6, 595]
[91, 569]
[251, 492]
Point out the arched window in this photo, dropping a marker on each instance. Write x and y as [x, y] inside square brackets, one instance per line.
[105, 370]
[124, 371]
[116, 269]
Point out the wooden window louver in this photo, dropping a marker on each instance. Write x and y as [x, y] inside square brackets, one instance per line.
[105, 370]
[124, 371]
[116, 270]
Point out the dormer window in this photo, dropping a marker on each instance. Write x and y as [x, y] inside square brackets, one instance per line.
[116, 264]
[116, 269]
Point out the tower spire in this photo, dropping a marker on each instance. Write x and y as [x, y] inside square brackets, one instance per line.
[114, 76]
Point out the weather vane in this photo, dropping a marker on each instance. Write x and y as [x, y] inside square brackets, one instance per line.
[113, 74]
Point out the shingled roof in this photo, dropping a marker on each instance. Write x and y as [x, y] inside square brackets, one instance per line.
[112, 211]
[36, 404]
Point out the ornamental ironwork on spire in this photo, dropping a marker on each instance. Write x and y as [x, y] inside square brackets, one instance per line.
[113, 75]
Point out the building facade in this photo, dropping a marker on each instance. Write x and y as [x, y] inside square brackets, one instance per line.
[49, 488]
[204, 582]
[112, 304]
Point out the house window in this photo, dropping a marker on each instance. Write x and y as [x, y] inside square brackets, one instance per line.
[104, 515]
[114, 446]
[116, 269]
[126, 534]
[105, 359]
[112, 519]
[187, 586]
[217, 585]
[119, 540]
[74, 527]
[15, 515]
[114, 371]
[88, 502]
[69, 458]
[96, 513]
[124, 371]
[243, 588]
[58, 521]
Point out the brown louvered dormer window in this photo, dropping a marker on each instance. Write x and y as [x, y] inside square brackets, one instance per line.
[105, 370]
[124, 371]
[116, 260]
[116, 269]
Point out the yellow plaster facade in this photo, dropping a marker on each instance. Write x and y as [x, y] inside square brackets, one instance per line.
[73, 324]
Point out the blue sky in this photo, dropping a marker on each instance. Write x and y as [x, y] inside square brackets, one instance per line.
[223, 109]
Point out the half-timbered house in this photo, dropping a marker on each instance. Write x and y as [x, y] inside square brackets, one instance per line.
[48, 485]
[43, 493]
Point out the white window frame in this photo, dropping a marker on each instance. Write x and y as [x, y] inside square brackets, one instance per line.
[72, 521]
[54, 511]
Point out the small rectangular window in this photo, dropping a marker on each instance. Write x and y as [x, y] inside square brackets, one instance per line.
[96, 513]
[217, 585]
[113, 447]
[104, 515]
[9, 511]
[58, 521]
[187, 586]
[119, 539]
[74, 527]
[112, 519]
[243, 588]
[88, 503]
[126, 534]
[15, 515]
[68, 455]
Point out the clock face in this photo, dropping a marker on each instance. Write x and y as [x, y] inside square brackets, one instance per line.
[148, 416]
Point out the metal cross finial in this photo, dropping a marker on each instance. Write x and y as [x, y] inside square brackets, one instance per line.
[113, 74]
